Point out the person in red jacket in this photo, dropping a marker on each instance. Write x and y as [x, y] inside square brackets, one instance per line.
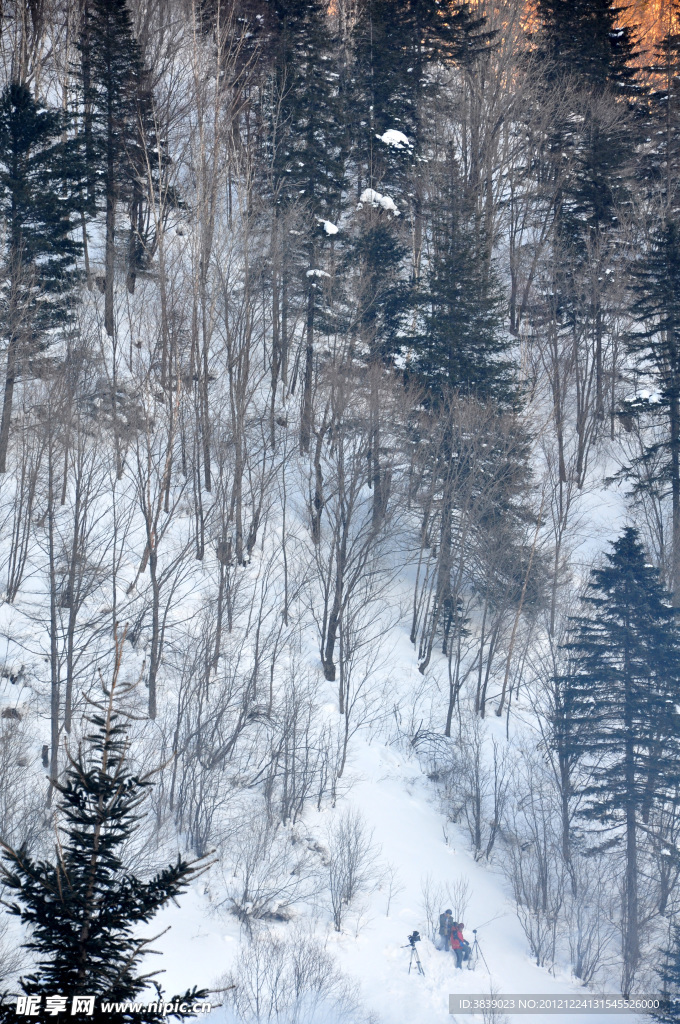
[459, 945]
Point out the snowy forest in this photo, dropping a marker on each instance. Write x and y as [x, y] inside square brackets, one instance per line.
[339, 501]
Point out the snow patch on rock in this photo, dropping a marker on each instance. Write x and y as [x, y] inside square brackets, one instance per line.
[394, 138]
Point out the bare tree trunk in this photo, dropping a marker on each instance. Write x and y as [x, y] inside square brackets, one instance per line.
[317, 501]
[10, 378]
[674, 415]
[379, 479]
[336, 610]
[154, 657]
[54, 655]
[306, 412]
[110, 241]
[631, 942]
[72, 608]
[205, 382]
[276, 334]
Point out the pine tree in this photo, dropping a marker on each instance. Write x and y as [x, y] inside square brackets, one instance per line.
[462, 347]
[583, 44]
[586, 235]
[581, 39]
[588, 204]
[397, 45]
[660, 164]
[308, 160]
[621, 693]
[82, 909]
[376, 259]
[656, 344]
[38, 200]
[398, 50]
[669, 973]
[118, 132]
[308, 154]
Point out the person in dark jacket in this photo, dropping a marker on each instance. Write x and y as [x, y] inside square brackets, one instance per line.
[445, 928]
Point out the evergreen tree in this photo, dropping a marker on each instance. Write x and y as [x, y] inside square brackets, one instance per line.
[581, 38]
[308, 146]
[588, 201]
[582, 42]
[308, 139]
[38, 200]
[621, 693]
[660, 164]
[118, 133]
[398, 49]
[656, 344]
[669, 973]
[397, 46]
[462, 346]
[83, 908]
[375, 259]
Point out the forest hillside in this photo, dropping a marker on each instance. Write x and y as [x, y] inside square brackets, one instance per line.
[339, 500]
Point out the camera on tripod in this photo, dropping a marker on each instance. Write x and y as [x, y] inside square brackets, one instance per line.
[415, 959]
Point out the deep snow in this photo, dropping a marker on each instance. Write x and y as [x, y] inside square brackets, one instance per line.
[397, 800]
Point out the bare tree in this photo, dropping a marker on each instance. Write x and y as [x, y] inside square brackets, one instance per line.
[589, 918]
[393, 886]
[23, 819]
[481, 789]
[437, 896]
[534, 864]
[347, 542]
[352, 870]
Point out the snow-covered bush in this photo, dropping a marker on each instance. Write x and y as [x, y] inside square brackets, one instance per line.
[289, 981]
[271, 870]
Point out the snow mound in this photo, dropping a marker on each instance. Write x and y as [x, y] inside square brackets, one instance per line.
[330, 228]
[394, 138]
[317, 273]
[369, 195]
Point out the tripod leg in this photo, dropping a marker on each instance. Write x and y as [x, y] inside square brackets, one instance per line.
[484, 959]
[477, 949]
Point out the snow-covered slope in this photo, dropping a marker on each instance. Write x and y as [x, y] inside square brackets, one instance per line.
[391, 792]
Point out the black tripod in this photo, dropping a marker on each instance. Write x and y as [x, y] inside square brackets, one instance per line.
[414, 957]
[475, 954]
